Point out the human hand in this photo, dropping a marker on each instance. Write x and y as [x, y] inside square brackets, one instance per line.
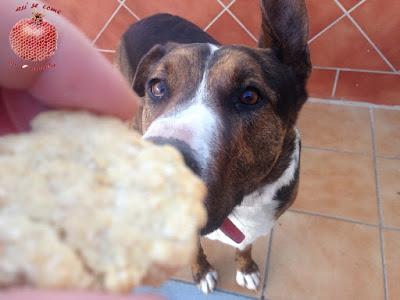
[82, 77]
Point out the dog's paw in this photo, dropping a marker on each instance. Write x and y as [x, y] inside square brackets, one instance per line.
[249, 281]
[208, 282]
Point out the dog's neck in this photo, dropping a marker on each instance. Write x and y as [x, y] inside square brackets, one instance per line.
[289, 158]
[284, 159]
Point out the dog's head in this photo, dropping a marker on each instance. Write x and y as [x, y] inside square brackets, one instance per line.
[228, 108]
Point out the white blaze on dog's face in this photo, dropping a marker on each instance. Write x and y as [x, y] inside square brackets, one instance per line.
[226, 109]
[193, 122]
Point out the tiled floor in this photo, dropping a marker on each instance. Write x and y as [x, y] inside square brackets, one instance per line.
[341, 238]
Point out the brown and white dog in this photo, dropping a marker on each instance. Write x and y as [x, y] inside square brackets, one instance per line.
[231, 111]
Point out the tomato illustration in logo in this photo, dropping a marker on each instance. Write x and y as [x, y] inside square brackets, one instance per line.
[34, 39]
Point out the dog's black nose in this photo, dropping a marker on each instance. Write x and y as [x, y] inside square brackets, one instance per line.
[187, 152]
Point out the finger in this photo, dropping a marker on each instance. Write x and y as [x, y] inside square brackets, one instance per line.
[25, 294]
[11, 73]
[21, 108]
[6, 126]
[81, 77]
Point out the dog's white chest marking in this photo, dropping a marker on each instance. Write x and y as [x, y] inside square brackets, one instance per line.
[256, 215]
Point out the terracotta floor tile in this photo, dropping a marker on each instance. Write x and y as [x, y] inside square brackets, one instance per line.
[222, 258]
[110, 38]
[199, 12]
[226, 2]
[88, 15]
[389, 179]
[369, 87]
[227, 31]
[350, 50]
[321, 82]
[392, 256]
[337, 184]
[316, 258]
[387, 131]
[336, 127]
[108, 56]
[321, 14]
[252, 21]
[384, 30]
[348, 4]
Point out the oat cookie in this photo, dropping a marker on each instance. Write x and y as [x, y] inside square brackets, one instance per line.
[86, 203]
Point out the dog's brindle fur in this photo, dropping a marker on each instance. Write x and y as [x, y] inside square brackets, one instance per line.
[246, 147]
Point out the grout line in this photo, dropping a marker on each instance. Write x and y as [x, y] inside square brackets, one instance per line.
[216, 18]
[335, 83]
[335, 150]
[105, 50]
[335, 21]
[356, 70]
[242, 25]
[317, 214]
[391, 228]
[131, 11]
[325, 29]
[366, 37]
[236, 18]
[360, 104]
[229, 4]
[388, 157]
[378, 202]
[225, 8]
[226, 5]
[356, 6]
[235, 294]
[266, 265]
[108, 22]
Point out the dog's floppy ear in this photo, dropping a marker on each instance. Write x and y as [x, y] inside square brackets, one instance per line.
[285, 31]
[143, 70]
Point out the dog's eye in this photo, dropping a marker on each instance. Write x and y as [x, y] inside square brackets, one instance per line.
[250, 97]
[158, 88]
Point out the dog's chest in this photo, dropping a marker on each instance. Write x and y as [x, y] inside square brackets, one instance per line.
[254, 218]
[257, 213]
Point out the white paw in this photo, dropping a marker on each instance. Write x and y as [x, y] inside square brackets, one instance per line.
[207, 283]
[250, 281]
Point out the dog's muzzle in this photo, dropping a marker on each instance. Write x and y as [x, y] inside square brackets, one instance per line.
[187, 152]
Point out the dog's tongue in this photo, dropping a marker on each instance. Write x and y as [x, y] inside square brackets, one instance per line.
[231, 231]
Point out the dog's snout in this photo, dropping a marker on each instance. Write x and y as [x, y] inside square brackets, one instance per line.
[187, 153]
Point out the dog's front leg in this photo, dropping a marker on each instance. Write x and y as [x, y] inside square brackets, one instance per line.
[203, 273]
[247, 274]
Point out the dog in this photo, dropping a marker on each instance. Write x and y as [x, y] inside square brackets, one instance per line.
[231, 111]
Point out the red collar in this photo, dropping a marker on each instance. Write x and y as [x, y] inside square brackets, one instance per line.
[231, 231]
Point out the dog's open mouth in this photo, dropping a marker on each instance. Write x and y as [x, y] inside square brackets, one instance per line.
[231, 231]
